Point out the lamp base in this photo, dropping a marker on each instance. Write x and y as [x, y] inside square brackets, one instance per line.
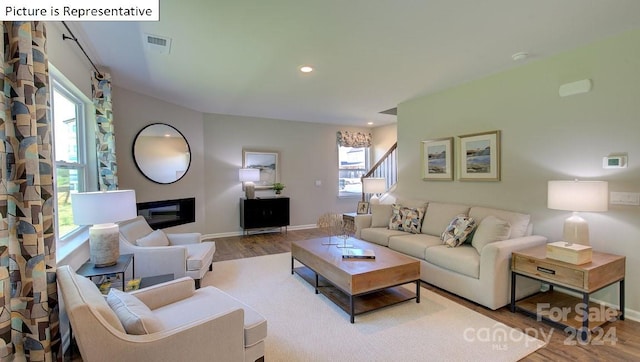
[249, 190]
[576, 230]
[104, 245]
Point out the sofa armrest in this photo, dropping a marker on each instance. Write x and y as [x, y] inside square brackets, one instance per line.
[184, 238]
[362, 221]
[495, 261]
[162, 294]
[157, 260]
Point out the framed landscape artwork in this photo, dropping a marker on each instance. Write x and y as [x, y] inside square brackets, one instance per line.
[267, 163]
[437, 159]
[480, 157]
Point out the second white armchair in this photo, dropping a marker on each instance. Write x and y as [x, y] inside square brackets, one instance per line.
[157, 253]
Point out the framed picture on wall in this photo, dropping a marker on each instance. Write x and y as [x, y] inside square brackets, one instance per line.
[267, 163]
[480, 156]
[437, 159]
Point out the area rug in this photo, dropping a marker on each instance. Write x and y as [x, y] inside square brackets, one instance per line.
[304, 326]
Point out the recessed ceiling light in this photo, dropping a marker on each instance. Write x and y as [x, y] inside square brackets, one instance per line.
[306, 69]
[370, 123]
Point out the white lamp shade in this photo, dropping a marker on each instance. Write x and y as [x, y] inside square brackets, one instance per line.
[373, 185]
[103, 207]
[589, 196]
[249, 174]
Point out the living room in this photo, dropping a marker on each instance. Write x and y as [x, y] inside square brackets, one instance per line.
[543, 137]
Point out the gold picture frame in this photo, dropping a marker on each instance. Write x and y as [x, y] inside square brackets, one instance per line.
[479, 156]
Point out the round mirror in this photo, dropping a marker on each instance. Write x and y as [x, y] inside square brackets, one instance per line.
[161, 153]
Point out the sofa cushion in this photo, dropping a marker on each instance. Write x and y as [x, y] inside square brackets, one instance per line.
[438, 216]
[155, 238]
[199, 255]
[412, 203]
[92, 296]
[463, 259]
[490, 229]
[135, 316]
[205, 303]
[380, 215]
[134, 229]
[413, 244]
[379, 236]
[395, 221]
[458, 230]
[519, 222]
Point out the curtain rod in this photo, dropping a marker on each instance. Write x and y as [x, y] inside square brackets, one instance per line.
[73, 37]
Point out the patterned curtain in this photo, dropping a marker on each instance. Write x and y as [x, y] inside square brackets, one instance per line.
[354, 139]
[29, 326]
[105, 137]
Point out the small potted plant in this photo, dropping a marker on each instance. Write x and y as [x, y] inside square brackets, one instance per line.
[278, 187]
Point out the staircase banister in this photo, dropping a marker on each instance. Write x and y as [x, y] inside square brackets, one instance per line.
[380, 161]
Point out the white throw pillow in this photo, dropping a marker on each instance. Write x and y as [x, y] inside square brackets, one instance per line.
[155, 238]
[135, 316]
[380, 215]
[490, 229]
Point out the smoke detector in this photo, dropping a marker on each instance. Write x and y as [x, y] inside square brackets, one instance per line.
[157, 44]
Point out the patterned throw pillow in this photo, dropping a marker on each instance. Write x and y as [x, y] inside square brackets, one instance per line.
[395, 222]
[458, 230]
[412, 219]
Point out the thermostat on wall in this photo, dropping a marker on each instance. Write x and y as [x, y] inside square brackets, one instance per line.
[614, 162]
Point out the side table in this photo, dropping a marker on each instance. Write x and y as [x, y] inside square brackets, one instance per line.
[584, 279]
[89, 269]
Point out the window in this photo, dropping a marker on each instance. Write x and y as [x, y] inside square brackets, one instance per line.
[70, 150]
[352, 165]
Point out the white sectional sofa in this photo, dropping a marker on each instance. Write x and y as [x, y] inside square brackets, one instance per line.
[479, 269]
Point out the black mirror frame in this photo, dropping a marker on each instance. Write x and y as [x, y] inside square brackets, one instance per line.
[135, 160]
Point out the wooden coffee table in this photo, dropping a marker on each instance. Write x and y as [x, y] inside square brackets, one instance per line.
[356, 285]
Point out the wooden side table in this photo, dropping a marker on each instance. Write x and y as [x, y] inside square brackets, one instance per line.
[584, 279]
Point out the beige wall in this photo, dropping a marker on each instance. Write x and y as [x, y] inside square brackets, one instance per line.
[308, 152]
[383, 137]
[544, 137]
[132, 112]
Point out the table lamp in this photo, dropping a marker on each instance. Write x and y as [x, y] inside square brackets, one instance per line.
[575, 196]
[102, 209]
[248, 176]
[375, 186]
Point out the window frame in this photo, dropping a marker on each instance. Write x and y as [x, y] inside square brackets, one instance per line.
[87, 157]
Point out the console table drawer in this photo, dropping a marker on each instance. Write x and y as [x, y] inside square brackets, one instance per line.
[551, 272]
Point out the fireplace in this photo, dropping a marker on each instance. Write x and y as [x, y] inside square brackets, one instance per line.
[166, 213]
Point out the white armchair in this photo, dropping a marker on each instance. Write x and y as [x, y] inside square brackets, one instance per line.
[158, 253]
[166, 322]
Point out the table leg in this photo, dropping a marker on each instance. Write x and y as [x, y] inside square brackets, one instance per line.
[622, 300]
[291, 265]
[513, 292]
[316, 286]
[585, 318]
[418, 291]
[352, 309]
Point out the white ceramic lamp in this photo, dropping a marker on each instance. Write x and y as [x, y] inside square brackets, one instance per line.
[102, 209]
[248, 176]
[375, 186]
[575, 196]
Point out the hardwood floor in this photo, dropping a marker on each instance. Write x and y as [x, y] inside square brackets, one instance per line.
[561, 347]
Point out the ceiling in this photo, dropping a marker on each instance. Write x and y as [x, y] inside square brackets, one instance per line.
[241, 57]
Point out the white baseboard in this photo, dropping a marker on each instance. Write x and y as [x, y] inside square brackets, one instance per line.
[241, 232]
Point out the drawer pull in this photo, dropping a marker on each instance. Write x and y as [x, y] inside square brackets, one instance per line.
[546, 271]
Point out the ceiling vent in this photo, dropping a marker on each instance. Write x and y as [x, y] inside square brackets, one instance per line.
[157, 44]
